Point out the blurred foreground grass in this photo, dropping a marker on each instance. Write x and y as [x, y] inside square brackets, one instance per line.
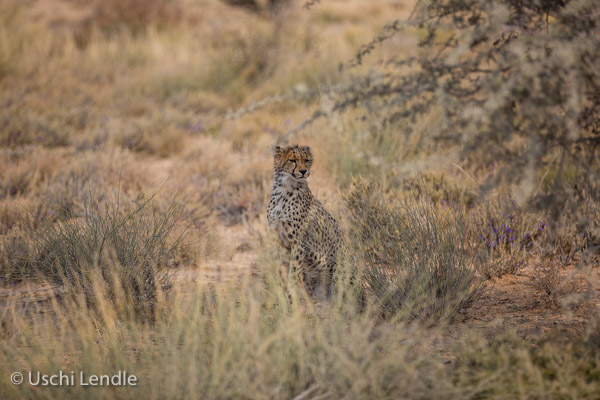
[246, 341]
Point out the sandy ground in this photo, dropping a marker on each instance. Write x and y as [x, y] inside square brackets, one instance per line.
[512, 302]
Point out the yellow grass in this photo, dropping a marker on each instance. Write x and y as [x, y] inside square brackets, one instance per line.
[93, 104]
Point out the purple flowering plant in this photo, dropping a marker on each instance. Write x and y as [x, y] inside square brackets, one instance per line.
[506, 235]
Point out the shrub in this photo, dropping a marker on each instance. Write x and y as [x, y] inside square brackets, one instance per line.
[128, 248]
[546, 280]
[572, 238]
[22, 128]
[512, 89]
[15, 263]
[134, 16]
[416, 261]
[505, 232]
[257, 6]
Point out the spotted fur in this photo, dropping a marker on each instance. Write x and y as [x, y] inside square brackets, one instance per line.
[304, 228]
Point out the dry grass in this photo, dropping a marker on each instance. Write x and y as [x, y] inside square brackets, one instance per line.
[127, 99]
[245, 340]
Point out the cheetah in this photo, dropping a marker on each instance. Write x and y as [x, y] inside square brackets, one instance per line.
[300, 222]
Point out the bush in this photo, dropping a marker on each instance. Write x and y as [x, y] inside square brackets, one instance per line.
[417, 263]
[512, 89]
[257, 6]
[15, 263]
[128, 248]
[505, 232]
[111, 17]
[135, 15]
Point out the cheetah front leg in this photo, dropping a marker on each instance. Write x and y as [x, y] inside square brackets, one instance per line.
[282, 269]
[296, 272]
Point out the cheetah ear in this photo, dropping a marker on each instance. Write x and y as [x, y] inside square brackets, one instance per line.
[276, 149]
[307, 148]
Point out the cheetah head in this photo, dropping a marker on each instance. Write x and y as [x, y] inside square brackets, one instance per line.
[293, 160]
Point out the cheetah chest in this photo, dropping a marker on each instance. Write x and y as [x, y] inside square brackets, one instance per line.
[287, 209]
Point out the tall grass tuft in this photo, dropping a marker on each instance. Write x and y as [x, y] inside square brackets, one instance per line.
[130, 248]
[417, 265]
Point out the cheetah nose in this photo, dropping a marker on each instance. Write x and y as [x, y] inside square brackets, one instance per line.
[303, 172]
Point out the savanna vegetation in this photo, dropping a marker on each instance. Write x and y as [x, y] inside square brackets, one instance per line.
[456, 142]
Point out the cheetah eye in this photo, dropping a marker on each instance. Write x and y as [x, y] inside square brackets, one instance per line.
[292, 160]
